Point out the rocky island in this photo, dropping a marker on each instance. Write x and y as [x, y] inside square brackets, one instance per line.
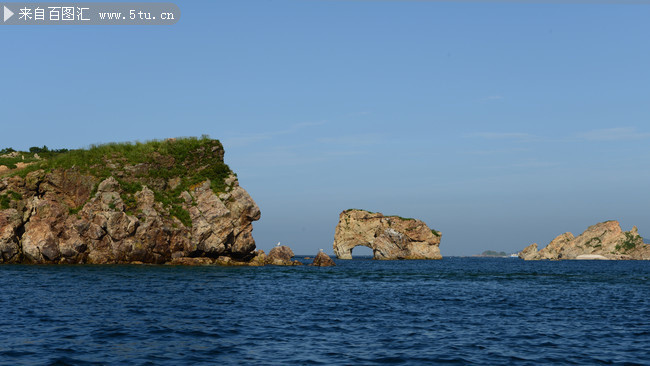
[172, 201]
[493, 254]
[605, 240]
[389, 237]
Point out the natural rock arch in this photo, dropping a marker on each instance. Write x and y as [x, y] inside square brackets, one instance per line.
[389, 237]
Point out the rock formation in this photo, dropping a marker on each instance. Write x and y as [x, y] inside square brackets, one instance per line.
[389, 237]
[529, 252]
[322, 260]
[177, 202]
[281, 256]
[605, 240]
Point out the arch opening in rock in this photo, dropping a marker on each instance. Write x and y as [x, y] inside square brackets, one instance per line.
[362, 251]
[345, 251]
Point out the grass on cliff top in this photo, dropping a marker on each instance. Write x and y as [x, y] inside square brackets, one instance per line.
[34, 154]
[371, 212]
[358, 209]
[192, 159]
[152, 163]
[10, 162]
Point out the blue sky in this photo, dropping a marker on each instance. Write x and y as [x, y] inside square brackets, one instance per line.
[499, 124]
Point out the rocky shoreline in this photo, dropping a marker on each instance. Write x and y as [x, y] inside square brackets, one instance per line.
[176, 202]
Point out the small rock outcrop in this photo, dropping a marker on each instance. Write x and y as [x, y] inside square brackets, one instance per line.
[322, 260]
[389, 237]
[605, 240]
[281, 256]
[259, 259]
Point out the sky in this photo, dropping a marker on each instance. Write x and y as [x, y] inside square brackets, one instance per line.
[499, 124]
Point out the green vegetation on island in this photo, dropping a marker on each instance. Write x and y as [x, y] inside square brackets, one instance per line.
[167, 167]
[630, 242]
[492, 253]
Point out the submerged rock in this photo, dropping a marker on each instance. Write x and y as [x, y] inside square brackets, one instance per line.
[389, 237]
[605, 240]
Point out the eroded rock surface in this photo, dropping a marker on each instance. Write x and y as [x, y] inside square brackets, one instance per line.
[529, 252]
[389, 237]
[281, 256]
[322, 260]
[66, 216]
[605, 240]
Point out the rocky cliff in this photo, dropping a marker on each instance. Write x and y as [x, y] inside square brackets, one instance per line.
[154, 202]
[605, 240]
[389, 237]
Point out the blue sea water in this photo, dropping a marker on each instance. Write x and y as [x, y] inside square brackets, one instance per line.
[453, 311]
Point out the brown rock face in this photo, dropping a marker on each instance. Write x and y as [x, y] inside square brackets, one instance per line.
[323, 260]
[529, 252]
[56, 218]
[604, 240]
[10, 225]
[389, 237]
[281, 256]
[189, 261]
[259, 259]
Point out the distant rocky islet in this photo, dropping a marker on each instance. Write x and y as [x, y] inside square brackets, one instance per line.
[605, 240]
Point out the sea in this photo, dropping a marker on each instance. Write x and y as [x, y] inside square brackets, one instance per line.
[454, 311]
